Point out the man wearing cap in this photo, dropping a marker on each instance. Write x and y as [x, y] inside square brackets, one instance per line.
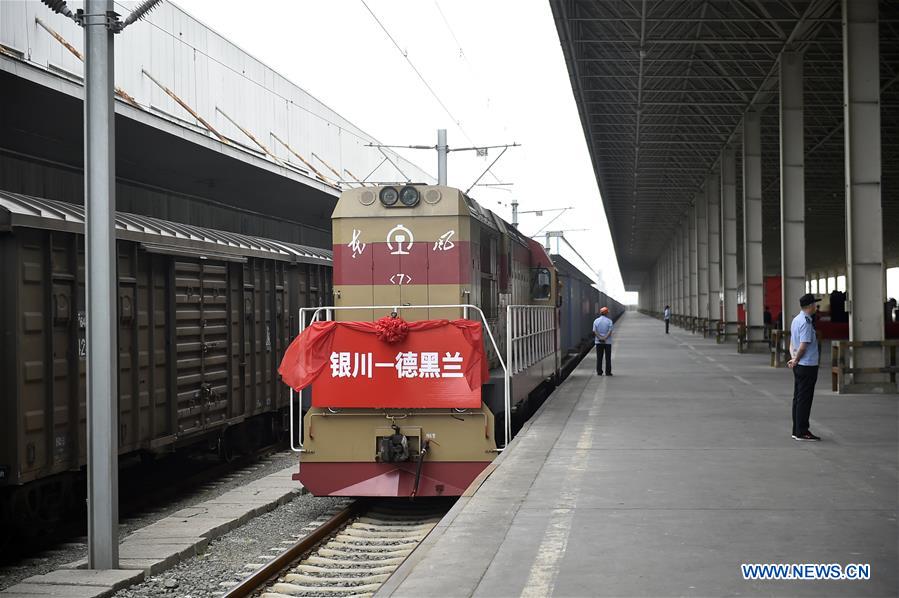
[602, 332]
[804, 349]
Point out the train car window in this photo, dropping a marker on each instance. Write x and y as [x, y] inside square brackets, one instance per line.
[540, 283]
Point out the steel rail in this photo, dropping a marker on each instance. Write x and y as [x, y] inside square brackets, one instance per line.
[256, 580]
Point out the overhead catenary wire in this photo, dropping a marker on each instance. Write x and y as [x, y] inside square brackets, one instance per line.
[542, 228]
[462, 54]
[578, 253]
[453, 34]
[421, 77]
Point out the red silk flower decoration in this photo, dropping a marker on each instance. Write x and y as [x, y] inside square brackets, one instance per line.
[391, 329]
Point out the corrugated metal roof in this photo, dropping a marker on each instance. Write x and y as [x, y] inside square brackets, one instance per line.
[17, 210]
[213, 76]
[662, 88]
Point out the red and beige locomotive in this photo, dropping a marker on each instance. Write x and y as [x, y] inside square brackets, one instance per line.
[435, 299]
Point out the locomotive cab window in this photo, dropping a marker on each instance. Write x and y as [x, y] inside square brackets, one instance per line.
[541, 283]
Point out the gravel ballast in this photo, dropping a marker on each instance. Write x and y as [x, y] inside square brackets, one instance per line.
[235, 555]
[76, 548]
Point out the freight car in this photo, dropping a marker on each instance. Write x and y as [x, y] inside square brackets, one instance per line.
[432, 253]
[579, 303]
[203, 319]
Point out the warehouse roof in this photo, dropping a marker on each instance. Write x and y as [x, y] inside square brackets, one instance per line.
[158, 236]
[662, 87]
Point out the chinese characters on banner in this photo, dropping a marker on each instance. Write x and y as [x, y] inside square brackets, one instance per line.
[439, 364]
[408, 364]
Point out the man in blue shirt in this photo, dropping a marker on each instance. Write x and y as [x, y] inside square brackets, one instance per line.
[667, 317]
[602, 333]
[804, 349]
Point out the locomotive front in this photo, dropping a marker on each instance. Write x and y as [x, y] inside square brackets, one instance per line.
[403, 419]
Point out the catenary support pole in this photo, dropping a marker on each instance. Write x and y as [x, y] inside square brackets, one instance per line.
[864, 211]
[442, 152]
[713, 189]
[752, 228]
[729, 239]
[792, 186]
[100, 254]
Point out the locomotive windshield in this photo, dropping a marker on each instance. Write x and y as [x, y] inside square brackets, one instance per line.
[540, 283]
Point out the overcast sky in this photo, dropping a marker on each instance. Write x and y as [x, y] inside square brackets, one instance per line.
[496, 67]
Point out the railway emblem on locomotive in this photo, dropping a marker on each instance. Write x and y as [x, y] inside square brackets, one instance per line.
[356, 245]
[444, 242]
[398, 237]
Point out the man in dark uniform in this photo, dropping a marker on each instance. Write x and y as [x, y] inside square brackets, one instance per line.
[804, 349]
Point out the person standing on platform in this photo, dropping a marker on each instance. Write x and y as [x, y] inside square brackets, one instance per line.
[602, 332]
[804, 349]
[667, 317]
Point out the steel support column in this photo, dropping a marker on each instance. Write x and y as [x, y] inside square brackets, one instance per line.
[792, 186]
[702, 257]
[694, 266]
[685, 249]
[752, 228]
[729, 238]
[100, 256]
[683, 276]
[679, 247]
[713, 196]
[667, 276]
[669, 294]
[864, 212]
[677, 274]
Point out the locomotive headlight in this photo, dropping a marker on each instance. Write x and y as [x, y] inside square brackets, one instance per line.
[388, 196]
[409, 196]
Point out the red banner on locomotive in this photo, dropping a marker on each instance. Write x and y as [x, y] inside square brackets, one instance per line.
[430, 364]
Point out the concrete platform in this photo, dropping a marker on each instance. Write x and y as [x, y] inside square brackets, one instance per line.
[163, 544]
[665, 478]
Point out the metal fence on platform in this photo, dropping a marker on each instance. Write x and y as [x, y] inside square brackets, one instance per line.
[842, 372]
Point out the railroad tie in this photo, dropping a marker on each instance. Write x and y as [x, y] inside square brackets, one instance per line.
[293, 590]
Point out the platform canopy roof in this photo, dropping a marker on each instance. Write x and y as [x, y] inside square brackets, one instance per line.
[662, 87]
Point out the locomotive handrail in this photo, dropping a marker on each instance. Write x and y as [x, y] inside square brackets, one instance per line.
[465, 307]
[524, 349]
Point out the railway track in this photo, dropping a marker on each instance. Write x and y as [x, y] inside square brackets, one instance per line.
[350, 555]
